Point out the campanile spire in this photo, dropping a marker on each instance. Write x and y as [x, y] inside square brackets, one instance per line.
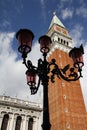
[59, 35]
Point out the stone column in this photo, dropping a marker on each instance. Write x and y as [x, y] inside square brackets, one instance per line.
[27, 121]
[39, 123]
[35, 123]
[14, 121]
[10, 122]
[24, 125]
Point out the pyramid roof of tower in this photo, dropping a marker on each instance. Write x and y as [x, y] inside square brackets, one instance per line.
[55, 20]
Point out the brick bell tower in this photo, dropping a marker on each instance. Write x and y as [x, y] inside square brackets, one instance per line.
[66, 103]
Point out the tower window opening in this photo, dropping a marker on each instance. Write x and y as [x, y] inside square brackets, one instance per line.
[64, 96]
[58, 39]
[66, 109]
[64, 41]
[68, 126]
[67, 43]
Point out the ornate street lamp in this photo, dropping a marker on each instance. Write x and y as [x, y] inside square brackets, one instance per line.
[47, 70]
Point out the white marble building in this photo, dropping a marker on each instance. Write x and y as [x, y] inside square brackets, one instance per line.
[16, 114]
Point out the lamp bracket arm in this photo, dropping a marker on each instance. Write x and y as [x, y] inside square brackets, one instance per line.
[61, 73]
[53, 69]
[30, 66]
[42, 66]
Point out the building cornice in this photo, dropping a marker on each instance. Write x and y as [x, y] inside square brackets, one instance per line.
[14, 102]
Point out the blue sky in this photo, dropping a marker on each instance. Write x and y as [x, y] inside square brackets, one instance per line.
[35, 15]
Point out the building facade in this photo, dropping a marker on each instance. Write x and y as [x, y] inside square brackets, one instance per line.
[66, 103]
[16, 114]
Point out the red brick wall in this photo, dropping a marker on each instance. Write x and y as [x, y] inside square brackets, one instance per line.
[66, 104]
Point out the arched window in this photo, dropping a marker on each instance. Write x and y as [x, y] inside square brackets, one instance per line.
[64, 41]
[58, 39]
[67, 43]
[5, 122]
[18, 123]
[30, 124]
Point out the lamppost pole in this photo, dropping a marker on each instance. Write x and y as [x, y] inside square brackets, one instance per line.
[47, 70]
[46, 121]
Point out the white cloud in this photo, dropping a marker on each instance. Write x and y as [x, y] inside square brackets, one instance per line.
[76, 34]
[43, 10]
[67, 13]
[84, 79]
[9, 68]
[66, 0]
[35, 54]
[12, 71]
[5, 24]
[82, 11]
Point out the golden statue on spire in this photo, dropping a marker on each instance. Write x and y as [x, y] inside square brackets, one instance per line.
[54, 13]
